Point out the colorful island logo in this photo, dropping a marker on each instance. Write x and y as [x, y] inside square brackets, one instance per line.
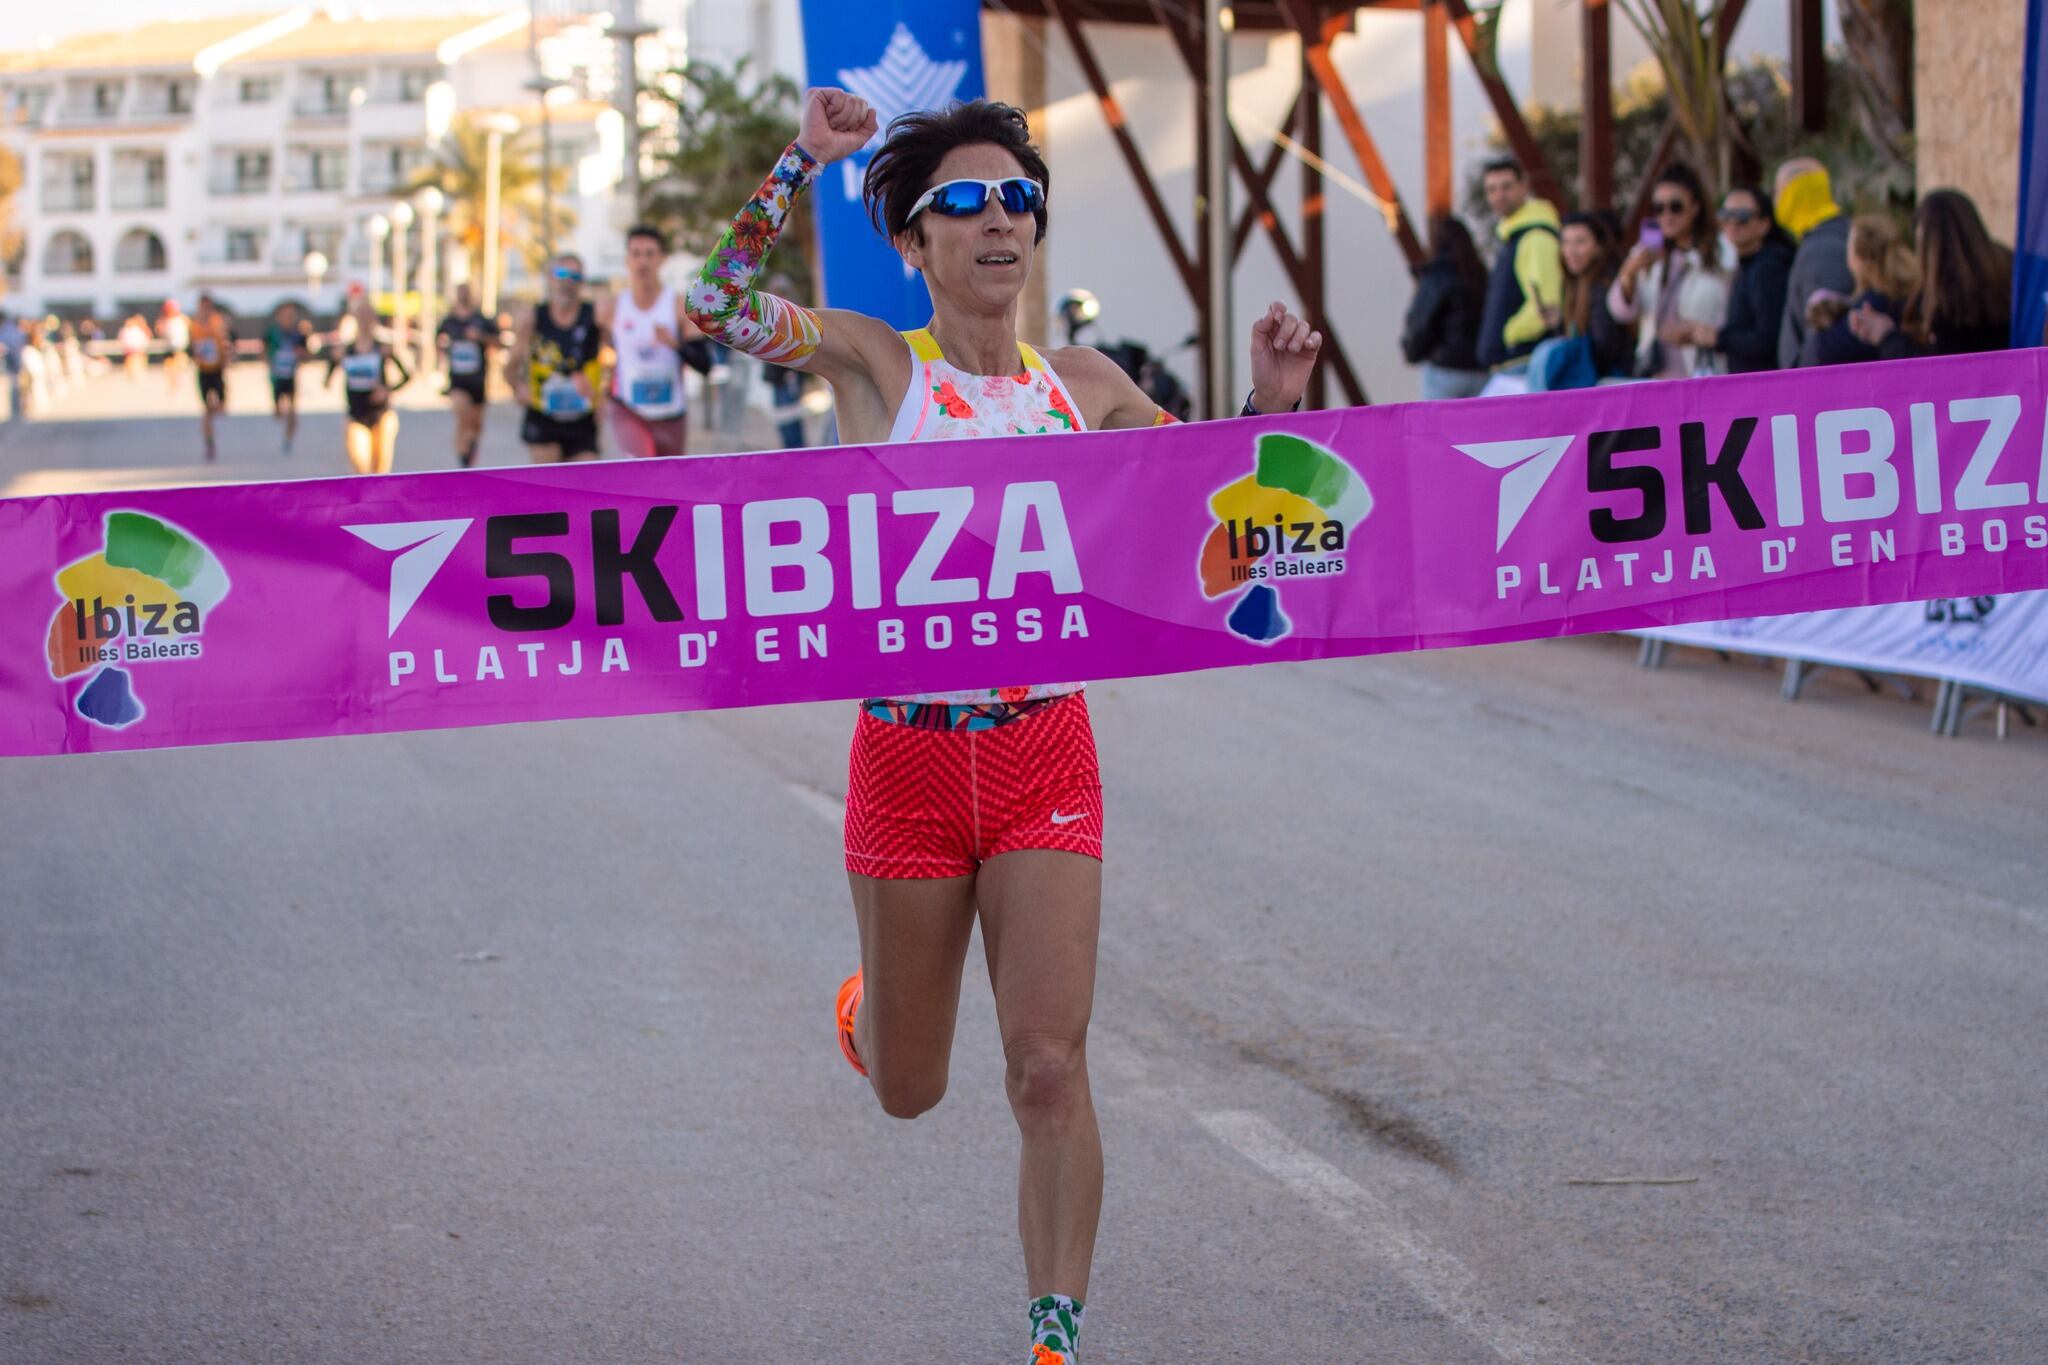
[143, 598]
[1290, 518]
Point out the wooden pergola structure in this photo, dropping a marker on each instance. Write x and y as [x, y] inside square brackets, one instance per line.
[1319, 23]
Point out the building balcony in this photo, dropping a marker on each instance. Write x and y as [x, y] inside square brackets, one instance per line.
[138, 194]
[305, 182]
[157, 112]
[86, 116]
[231, 186]
[383, 180]
[320, 110]
[66, 198]
[232, 256]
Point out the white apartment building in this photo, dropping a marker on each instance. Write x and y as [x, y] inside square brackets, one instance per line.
[218, 154]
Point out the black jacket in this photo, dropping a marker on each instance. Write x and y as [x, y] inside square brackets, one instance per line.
[1756, 308]
[1443, 321]
[1614, 343]
[1947, 341]
[1837, 345]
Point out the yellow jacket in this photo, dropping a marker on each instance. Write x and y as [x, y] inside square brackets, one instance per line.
[1538, 269]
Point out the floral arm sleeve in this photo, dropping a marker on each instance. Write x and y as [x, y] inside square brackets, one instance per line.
[724, 300]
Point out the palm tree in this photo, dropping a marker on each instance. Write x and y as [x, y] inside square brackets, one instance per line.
[10, 236]
[729, 127]
[455, 166]
[1685, 38]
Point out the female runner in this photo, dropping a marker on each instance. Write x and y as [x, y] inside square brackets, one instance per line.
[983, 802]
[366, 364]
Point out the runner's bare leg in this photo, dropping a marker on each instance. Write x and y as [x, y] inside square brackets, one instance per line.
[1041, 913]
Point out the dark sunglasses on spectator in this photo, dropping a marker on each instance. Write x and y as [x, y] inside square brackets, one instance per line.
[1740, 217]
[966, 198]
[1669, 205]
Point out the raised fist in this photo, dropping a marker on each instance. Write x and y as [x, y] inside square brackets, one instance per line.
[836, 124]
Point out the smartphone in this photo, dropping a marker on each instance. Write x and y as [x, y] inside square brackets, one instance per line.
[1651, 237]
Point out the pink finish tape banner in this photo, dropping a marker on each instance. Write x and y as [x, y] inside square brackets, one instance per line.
[350, 606]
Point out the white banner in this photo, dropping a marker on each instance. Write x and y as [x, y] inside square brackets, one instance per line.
[1996, 643]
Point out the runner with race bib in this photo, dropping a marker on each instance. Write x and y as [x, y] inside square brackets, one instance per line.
[557, 362]
[466, 339]
[285, 348]
[649, 332]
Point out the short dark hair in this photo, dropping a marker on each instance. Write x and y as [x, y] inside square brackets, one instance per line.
[903, 169]
[651, 233]
[1503, 163]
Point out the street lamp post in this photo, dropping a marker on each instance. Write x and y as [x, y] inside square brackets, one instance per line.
[379, 227]
[401, 219]
[542, 88]
[628, 30]
[496, 129]
[430, 201]
[315, 264]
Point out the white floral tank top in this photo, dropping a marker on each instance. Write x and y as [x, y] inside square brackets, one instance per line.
[945, 403]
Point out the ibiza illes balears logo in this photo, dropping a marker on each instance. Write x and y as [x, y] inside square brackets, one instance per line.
[143, 598]
[1291, 518]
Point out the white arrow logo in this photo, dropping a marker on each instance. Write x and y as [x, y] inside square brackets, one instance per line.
[427, 545]
[1529, 464]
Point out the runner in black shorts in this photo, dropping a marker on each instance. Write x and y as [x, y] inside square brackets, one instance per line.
[466, 340]
[285, 346]
[556, 362]
[371, 436]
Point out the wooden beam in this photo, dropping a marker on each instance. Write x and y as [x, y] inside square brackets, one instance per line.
[1307, 285]
[1596, 107]
[1809, 68]
[1113, 114]
[1505, 109]
[1275, 154]
[1315, 39]
[1309, 133]
[1436, 107]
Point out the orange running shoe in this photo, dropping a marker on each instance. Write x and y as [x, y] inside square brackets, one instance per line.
[849, 1005]
[1042, 1354]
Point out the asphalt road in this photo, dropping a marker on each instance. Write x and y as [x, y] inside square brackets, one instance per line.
[513, 1045]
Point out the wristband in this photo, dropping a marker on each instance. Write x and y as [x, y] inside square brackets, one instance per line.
[1249, 411]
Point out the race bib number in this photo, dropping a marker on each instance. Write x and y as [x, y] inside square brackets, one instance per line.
[285, 364]
[651, 393]
[559, 398]
[206, 351]
[465, 357]
[363, 372]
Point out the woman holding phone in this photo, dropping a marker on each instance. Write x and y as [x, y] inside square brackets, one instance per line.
[1673, 279]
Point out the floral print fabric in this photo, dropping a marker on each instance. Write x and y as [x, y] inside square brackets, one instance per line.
[724, 300]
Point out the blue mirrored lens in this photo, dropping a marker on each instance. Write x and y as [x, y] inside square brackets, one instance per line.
[1022, 196]
[959, 199]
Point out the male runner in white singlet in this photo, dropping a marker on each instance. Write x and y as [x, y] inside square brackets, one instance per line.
[986, 802]
[648, 330]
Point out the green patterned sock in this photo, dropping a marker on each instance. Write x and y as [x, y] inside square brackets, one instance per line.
[1056, 1323]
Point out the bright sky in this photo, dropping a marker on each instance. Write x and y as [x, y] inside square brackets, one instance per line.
[31, 25]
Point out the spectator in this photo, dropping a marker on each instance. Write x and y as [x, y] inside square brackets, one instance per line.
[1673, 281]
[134, 346]
[1963, 300]
[13, 345]
[1883, 272]
[1748, 340]
[1593, 346]
[1526, 275]
[176, 330]
[1442, 331]
[1807, 210]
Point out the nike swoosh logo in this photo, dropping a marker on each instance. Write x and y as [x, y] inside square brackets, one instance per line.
[1059, 819]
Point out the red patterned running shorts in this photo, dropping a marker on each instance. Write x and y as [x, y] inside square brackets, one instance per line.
[938, 803]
